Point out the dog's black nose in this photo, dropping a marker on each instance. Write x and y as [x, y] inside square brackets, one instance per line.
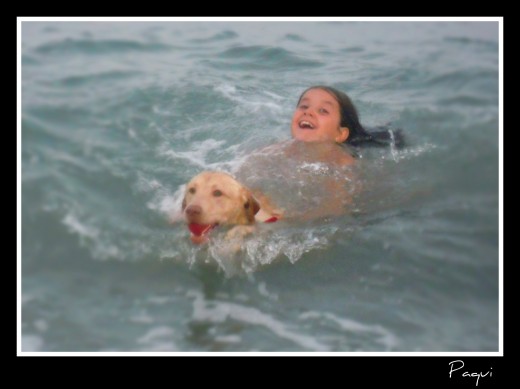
[193, 210]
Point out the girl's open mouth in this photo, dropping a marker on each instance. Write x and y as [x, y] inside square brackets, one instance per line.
[305, 125]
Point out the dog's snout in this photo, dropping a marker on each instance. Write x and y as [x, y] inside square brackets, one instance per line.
[193, 210]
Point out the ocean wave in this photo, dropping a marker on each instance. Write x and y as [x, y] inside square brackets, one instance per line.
[54, 118]
[381, 337]
[353, 49]
[98, 47]
[99, 235]
[218, 312]
[29, 60]
[254, 103]
[465, 41]
[158, 339]
[84, 230]
[220, 36]
[295, 38]
[91, 79]
[465, 100]
[199, 156]
[261, 58]
[459, 78]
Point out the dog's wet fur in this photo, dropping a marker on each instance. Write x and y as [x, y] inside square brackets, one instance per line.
[215, 198]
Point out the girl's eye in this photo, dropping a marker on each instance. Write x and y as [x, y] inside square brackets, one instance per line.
[217, 193]
[324, 111]
[303, 106]
[192, 190]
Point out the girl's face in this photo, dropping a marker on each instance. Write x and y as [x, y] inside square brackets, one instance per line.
[317, 118]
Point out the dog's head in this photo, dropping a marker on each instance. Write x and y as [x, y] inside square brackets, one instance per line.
[215, 198]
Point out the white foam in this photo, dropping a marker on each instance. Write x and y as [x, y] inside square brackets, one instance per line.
[106, 251]
[196, 156]
[158, 339]
[253, 103]
[76, 226]
[257, 106]
[162, 201]
[145, 184]
[262, 289]
[273, 95]
[226, 89]
[292, 245]
[392, 145]
[171, 253]
[410, 152]
[387, 339]
[32, 343]
[220, 311]
[318, 168]
[269, 243]
[99, 241]
[169, 204]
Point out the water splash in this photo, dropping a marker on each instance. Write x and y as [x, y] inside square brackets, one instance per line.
[393, 150]
[268, 245]
[380, 336]
[216, 312]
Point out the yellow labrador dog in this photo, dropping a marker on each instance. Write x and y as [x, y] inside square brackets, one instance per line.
[215, 198]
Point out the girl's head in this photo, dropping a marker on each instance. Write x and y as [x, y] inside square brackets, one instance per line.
[318, 117]
[324, 113]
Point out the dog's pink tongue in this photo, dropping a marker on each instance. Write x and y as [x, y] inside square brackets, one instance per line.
[199, 229]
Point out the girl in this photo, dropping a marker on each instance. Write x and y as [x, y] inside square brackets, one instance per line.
[313, 175]
[325, 114]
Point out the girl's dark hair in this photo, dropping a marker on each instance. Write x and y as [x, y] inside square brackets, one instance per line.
[358, 136]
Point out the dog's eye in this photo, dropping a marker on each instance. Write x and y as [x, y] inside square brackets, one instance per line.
[217, 193]
[192, 190]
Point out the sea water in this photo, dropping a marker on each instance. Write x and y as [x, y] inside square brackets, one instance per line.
[118, 116]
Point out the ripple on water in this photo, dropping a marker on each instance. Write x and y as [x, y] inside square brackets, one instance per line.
[261, 58]
[98, 47]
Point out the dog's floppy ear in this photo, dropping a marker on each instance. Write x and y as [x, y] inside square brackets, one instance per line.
[252, 207]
